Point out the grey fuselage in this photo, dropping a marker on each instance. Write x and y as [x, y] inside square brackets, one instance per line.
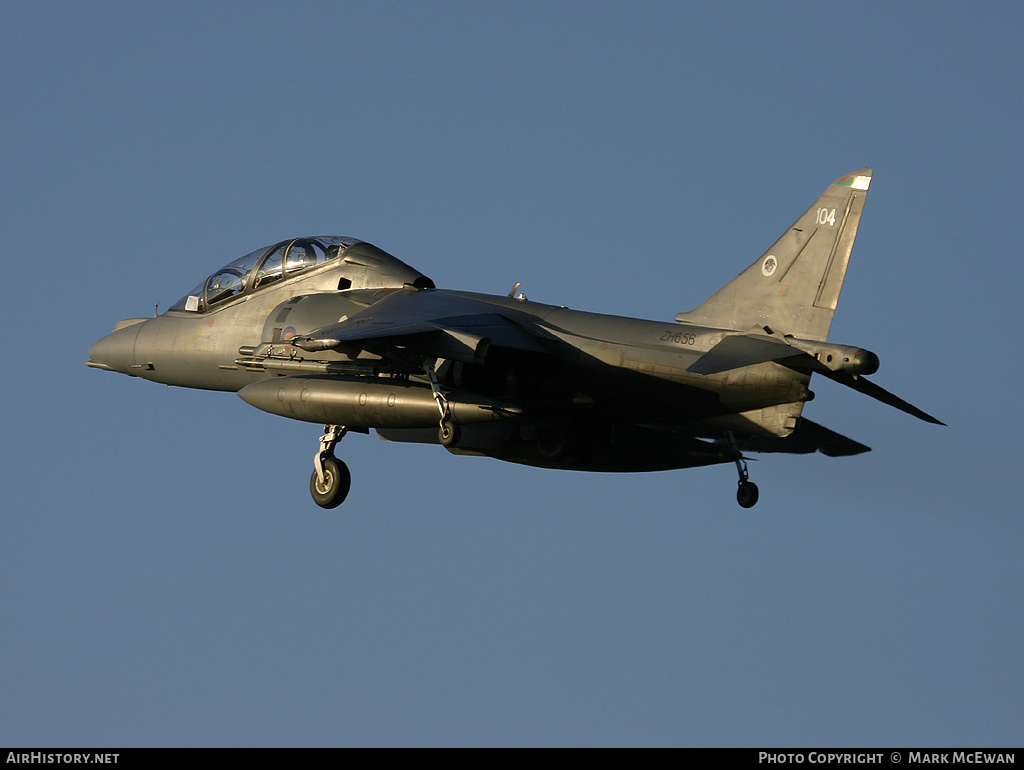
[333, 330]
[602, 392]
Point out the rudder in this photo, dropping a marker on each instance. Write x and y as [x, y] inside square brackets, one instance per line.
[794, 286]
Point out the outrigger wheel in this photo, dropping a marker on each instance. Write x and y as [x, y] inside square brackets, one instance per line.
[746, 494]
[449, 433]
[331, 479]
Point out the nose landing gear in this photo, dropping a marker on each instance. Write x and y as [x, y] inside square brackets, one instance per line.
[331, 479]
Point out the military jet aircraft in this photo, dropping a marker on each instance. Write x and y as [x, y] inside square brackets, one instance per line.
[336, 331]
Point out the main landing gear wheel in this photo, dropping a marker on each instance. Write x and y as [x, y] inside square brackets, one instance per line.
[332, 489]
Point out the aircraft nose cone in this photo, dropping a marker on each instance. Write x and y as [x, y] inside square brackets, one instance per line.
[116, 351]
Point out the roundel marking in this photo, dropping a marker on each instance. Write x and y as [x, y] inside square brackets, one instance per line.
[769, 265]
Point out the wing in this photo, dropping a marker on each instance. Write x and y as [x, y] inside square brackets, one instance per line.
[433, 324]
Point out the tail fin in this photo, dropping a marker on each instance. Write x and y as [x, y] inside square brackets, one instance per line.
[794, 286]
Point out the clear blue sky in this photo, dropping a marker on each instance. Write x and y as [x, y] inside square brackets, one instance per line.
[164, 577]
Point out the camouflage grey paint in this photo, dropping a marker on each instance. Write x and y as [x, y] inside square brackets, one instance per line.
[198, 350]
[361, 340]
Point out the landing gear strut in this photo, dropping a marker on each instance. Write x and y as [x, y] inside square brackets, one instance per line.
[449, 432]
[747, 493]
[331, 479]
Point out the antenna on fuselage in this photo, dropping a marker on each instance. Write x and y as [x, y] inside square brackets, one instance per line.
[155, 308]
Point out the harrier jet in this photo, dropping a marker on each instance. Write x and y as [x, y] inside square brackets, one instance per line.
[335, 331]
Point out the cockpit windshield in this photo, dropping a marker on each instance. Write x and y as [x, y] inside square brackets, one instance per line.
[262, 267]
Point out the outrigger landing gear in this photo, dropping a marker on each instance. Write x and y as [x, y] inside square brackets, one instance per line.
[331, 479]
[747, 493]
[449, 432]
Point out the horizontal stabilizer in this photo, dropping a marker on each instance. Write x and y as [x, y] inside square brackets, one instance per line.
[742, 350]
[748, 350]
[807, 438]
[828, 442]
[863, 385]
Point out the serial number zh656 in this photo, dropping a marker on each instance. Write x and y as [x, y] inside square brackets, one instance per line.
[679, 338]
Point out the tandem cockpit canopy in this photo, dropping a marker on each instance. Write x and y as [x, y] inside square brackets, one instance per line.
[336, 261]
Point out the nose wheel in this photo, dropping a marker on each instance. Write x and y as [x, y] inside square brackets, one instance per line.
[331, 489]
[331, 479]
